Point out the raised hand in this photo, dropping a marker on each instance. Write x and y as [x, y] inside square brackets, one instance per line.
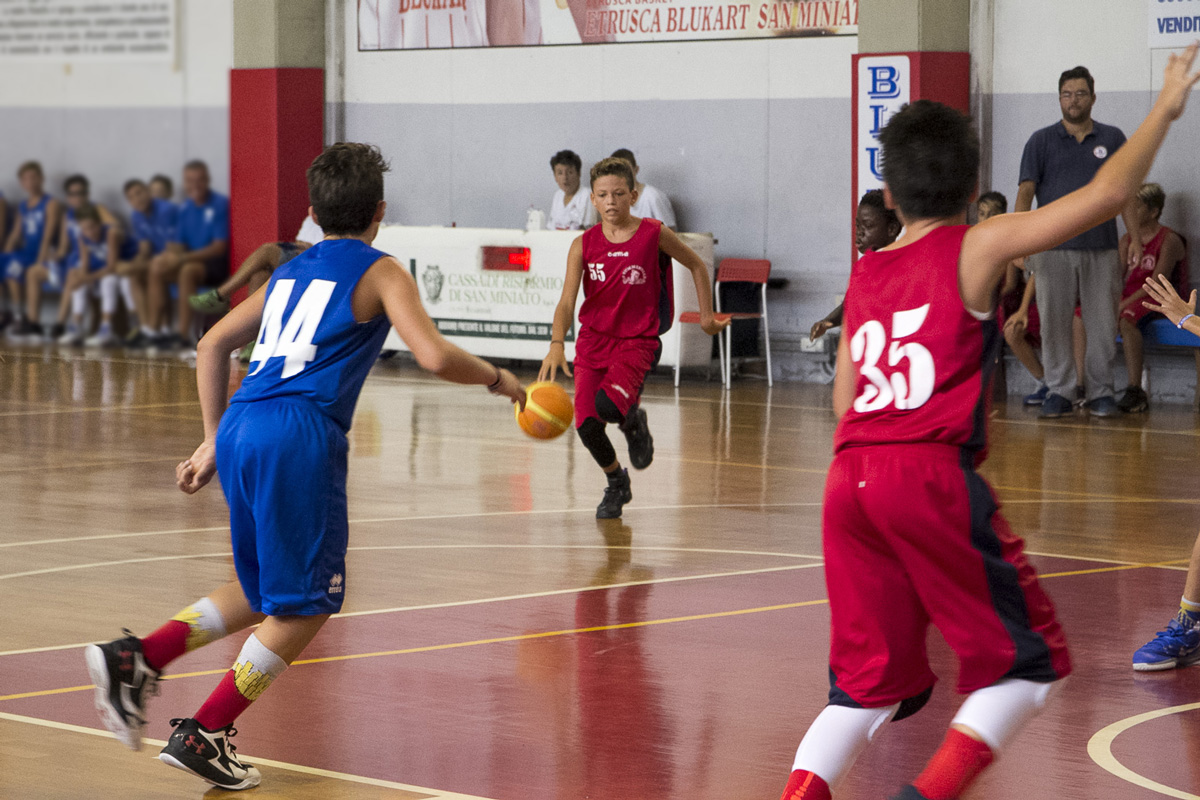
[1178, 80]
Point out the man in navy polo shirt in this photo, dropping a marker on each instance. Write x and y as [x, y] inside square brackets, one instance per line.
[197, 256]
[1085, 270]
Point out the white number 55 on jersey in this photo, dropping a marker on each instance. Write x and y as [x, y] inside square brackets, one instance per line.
[905, 391]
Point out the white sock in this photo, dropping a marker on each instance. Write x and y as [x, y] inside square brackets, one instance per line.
[998, 711]
[204, 621]
[1188, 605]
[837, 737]
[256, 667]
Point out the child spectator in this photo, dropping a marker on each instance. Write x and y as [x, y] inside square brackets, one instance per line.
[1163, 253]
[627, 306]
[29, 246]
[650, 202]
[570, 208]
[198, 256]
[93, 274]
[162, 188]
[153, 223]
[875, 226]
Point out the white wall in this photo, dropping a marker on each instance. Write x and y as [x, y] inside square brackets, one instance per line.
[113, 121]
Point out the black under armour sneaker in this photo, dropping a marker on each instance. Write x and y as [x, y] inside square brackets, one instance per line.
[618, 493]
[208, 755]
[124, 682]
[637, 434]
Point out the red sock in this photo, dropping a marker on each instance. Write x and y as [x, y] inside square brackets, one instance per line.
[805, 785]
[222, 706]
[166, 644]
[954, 767]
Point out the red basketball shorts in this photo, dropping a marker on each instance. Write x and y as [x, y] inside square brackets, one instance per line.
[618, 366]
[913, 537]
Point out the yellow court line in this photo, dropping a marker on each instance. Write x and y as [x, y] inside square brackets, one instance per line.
[456, 645]
[109, 408]
[1113, 569]
[433, 794]
[1100, 749]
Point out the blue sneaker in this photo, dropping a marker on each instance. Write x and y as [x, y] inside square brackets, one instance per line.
[1054, 406]
[1103, 407]
[1177, 646]
[1038, 397]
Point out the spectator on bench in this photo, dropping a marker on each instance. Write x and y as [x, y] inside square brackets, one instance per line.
[29, 245]
[197, 256]
[162, 188]
[153, 223]
[648, 202]
[1163, 254]
[93, 273]
[571, 208]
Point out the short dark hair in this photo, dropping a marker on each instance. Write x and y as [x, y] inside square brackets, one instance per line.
[88, 213]
[345, 186]
[626, 154]
[196, 163]
[613, 165]
[930, 160]
[131, 183]
[568, 158]
[1075, 73]
[77, 180]
[31, 166]
[995, 198]
[164, 180]
[873, 198]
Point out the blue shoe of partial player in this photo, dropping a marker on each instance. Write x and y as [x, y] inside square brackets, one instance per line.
[1177, 646]
[909, 793]
[1103, 407]
[1054, 406]
[1038, 397]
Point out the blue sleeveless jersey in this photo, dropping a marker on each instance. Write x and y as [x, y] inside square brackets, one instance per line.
[33, 225]
[97, 251]
[309, 345]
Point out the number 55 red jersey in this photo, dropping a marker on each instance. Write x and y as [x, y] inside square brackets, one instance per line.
[925, 361]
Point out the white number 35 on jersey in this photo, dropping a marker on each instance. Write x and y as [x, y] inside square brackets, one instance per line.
[292, 342]
[905, 391]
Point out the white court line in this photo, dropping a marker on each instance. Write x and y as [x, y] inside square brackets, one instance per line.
[485, 600]
[434, 794]
[1100, 749]
[72, 567]
[414, 518]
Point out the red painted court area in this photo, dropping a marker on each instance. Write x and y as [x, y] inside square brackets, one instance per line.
[681, 689]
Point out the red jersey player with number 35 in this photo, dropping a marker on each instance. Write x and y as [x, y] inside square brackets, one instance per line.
[912, 534]
[624, 264]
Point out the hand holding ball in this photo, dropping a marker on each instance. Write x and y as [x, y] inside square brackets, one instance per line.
[548, 411]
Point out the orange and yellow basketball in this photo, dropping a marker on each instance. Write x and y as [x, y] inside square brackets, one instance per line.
[548, 410]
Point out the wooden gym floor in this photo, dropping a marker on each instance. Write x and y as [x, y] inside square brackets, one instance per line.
[498, 642]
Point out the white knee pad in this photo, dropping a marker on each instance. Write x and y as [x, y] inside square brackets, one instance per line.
[79, 299]
[110, 287]
[998, 711]
[837, 737]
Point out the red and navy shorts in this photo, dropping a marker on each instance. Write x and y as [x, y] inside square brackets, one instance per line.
[617, 365]
[913, 536]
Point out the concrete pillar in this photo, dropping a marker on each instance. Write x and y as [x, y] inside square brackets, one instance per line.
[276, 117]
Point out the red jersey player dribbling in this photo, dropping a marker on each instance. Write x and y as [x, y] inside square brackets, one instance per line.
[624, 264]
[912, 534]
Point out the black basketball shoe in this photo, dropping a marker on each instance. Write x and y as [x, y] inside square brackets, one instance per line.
[124, 682]
[208, 755]
[637, 434]
[616, 495]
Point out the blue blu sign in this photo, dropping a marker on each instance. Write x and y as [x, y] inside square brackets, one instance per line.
[883, 87]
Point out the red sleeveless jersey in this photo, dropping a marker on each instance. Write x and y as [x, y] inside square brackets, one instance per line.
[627, 287]
[925, 363]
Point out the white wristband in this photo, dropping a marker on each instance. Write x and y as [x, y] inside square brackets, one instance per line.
[1185, 318]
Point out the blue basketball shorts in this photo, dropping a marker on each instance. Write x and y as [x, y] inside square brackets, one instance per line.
[17, 263]
[282, 465]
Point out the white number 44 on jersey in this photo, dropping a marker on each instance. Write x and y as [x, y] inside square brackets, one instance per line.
[866, 348]
[291, 342]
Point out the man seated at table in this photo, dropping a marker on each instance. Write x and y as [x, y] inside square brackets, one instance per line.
[198, 256]
[650, 203]
[571, 209]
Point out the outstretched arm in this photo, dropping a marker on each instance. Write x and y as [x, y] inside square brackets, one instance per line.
[670, 243]
[564, 315]
[990, 245]
[845, 379]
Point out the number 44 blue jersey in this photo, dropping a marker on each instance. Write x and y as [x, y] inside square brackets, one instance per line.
[309, 345]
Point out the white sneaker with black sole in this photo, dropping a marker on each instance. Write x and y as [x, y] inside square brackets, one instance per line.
[208, 755]
[124, 682]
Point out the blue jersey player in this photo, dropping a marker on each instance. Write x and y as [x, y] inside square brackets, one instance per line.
[29, 245]
[280, 451]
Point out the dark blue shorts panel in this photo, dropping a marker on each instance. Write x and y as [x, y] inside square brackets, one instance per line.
[283, 470]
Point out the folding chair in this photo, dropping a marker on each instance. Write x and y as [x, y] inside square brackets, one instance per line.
[693, 318]
[744, 270]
